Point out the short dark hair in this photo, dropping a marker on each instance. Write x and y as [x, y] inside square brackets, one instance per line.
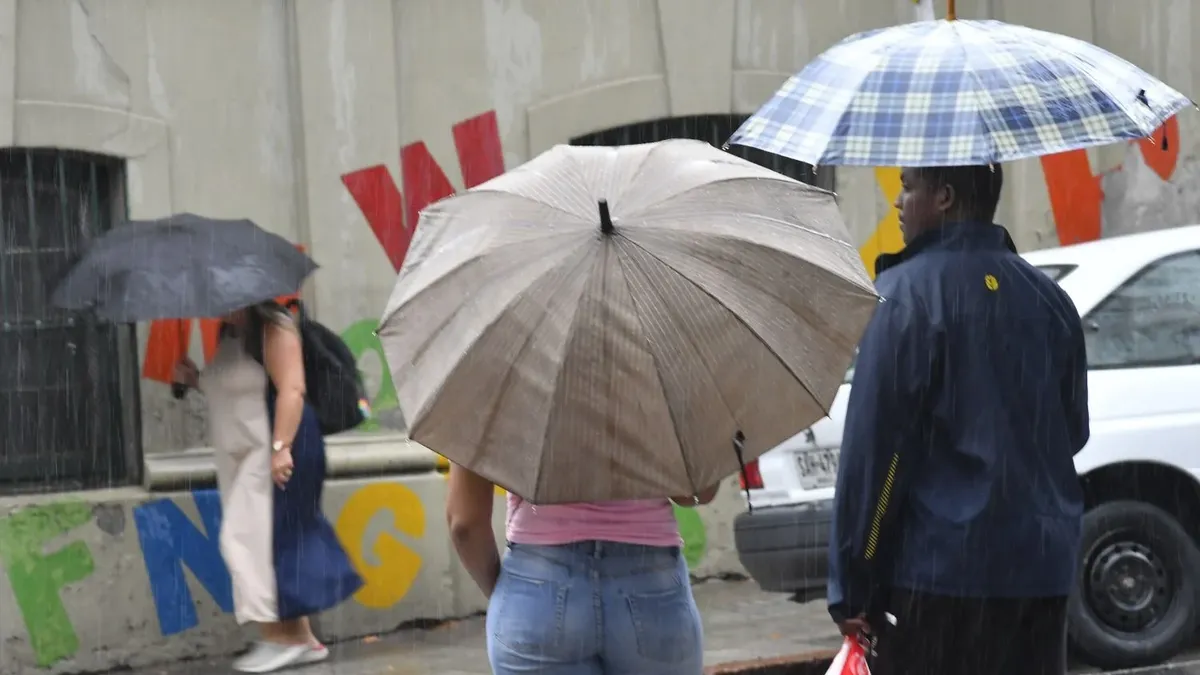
[976, 188]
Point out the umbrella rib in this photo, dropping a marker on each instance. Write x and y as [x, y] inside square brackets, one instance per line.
[979, 114]
[840, 283]
[739, 319]
[1082, 67]
[537, 474]
[658, 370]
[667, 202]
[637, 175]
[994, 154]
[437, 281]
[755, 216]
[508, 373]
[525, 198]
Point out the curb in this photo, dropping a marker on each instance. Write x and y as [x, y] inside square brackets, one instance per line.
[808, 663]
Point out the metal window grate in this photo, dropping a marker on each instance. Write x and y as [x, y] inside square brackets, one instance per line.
[713, 129]
[60, 380]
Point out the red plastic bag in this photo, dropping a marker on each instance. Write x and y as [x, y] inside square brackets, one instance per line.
[851, 659]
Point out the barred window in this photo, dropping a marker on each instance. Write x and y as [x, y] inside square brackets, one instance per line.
[68, 401]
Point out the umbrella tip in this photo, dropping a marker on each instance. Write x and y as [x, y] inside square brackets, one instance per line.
[606, 223]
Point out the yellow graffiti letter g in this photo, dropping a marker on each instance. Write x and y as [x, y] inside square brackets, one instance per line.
[392, 567]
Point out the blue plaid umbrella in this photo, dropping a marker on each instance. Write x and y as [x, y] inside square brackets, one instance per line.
[952, 93]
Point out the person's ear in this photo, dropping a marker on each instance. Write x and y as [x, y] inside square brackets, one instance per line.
[943, 199]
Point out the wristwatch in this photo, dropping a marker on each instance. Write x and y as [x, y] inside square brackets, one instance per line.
[280, 446]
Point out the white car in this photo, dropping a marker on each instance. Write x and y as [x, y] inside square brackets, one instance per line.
[1139, 573]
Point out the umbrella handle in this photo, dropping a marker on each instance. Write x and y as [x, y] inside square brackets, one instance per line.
[951, 15]
[739, 447]
[179, 389]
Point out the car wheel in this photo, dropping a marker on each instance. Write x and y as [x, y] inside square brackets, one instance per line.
[1135, 599]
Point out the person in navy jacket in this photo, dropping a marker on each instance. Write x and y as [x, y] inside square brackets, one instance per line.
[958, 508]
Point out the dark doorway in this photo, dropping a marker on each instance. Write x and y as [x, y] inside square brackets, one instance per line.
[713, 129]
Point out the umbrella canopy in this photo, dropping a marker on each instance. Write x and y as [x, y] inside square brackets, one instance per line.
[183, 266]
[952, 93]
[603, 322]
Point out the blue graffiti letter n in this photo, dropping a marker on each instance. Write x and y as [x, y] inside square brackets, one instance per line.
[170, 541]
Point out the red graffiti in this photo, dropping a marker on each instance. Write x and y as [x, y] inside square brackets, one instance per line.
[382, 205]
[392, 217]
[480, 156]
[170, 339]
[1076, 195]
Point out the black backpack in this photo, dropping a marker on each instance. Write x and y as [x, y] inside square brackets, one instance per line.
[335, 387]
[331, 377]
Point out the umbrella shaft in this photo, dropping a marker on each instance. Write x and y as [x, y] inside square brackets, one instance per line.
[950, 13]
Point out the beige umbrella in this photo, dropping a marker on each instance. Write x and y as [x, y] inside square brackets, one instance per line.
[602, 323]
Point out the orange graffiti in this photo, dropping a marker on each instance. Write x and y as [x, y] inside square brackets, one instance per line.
[170, 339]
[1076, 195]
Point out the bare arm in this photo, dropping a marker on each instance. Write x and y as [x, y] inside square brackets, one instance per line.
[469, 515]
[284, 361]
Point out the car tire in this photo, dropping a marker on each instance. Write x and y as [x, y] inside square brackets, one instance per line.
[1135, 599]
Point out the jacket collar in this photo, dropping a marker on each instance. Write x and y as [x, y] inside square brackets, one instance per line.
[957, 236]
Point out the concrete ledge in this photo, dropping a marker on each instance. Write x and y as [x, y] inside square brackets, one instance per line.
[810, 663]
[124, 578]
[128, 577]
[350, 455]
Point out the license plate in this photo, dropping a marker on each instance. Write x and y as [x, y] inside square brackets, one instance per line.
[818, 468]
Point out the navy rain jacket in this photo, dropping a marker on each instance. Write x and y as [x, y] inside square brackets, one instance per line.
[968, 404]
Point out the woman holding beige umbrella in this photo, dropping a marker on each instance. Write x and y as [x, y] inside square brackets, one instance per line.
[593, 331]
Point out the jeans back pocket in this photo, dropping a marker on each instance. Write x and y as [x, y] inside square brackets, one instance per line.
[667, 624]
[530, 615]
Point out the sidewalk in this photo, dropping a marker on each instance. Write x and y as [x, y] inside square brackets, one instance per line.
[741, 623]
[745, 631]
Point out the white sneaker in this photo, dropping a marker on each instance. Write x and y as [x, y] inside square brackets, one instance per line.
[266, 657]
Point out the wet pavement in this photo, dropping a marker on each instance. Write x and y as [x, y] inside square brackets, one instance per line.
[740, 623]
[1191, 667]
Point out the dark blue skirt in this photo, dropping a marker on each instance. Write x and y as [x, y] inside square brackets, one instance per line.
[312, 571]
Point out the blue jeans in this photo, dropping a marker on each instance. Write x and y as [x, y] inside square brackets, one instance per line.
[594, 608]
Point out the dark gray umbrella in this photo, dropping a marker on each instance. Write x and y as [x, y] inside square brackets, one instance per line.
[183, 266]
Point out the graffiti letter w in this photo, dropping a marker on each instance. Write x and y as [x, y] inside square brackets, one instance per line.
[480, 159]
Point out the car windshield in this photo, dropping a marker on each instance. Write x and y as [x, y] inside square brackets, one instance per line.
[1055, 272]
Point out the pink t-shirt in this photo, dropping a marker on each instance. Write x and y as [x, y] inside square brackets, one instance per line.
[648, 522]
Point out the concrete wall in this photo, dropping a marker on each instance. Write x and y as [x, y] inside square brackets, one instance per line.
[332, 122]
[99, 580]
